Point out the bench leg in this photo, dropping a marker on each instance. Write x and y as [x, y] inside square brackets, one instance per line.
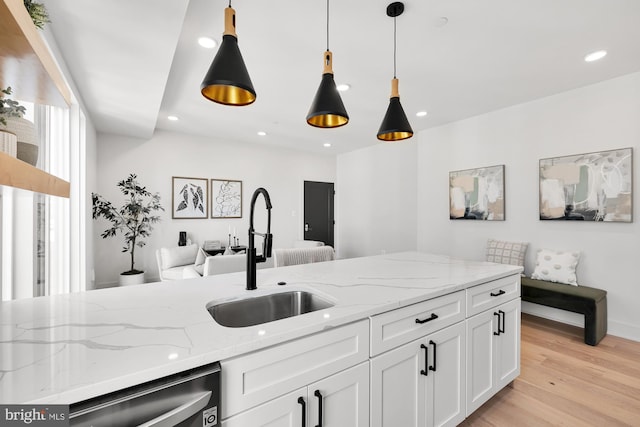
[595, 322]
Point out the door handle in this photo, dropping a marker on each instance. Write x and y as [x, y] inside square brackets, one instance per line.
[319, 396]
[425, 371]
[497, 314]
[435, 353]
[500, 312]
[306, 226]
[304, 411]
[180, 413]
[428, 319]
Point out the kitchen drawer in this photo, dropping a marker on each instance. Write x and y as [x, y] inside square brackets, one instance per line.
[252, 379]
[397, 327]
[492, 294]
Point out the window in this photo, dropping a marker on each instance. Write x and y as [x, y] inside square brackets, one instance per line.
[43, 236]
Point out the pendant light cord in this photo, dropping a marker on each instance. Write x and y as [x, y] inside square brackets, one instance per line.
[394, 47]
[327, 25]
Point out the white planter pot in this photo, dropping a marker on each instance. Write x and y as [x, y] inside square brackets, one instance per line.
[27, 147]
[8, 143]
[131, 279]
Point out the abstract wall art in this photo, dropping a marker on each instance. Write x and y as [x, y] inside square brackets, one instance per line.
[226, 198]
[587, 187]
[189, 198]
[477, 194]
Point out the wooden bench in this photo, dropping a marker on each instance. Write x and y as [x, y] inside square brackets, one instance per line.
[591, 302]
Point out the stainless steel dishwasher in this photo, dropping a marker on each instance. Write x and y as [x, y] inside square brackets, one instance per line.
[186, 399]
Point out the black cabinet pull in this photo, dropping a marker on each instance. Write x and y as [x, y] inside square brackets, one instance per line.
[428, 319]
[501, 330]
[435, 352]
[497, 314]
[498, 294]
[425, 371]
[304, 410]
[319, 396]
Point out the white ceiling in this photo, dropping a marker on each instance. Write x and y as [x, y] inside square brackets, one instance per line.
[137, 61]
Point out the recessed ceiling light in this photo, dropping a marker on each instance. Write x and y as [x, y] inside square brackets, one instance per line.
[594, 56]
[421, 113]
[262, 133]
[207, 42]
[173, 118]
[326, 144]
[343, 87]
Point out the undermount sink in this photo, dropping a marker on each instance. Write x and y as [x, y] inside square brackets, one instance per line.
[266, 308]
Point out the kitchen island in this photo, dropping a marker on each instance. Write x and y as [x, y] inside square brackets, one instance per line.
[67, 348]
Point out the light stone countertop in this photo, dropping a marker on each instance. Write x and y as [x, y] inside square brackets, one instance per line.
[67, 348]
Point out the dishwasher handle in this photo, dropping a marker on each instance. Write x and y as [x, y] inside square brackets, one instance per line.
[181, 413]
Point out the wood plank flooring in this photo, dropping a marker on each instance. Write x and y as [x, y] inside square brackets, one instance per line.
[564, 382]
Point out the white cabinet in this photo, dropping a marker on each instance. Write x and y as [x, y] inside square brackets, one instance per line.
[284, 411]
[256, 378]
[421, 383]
[341, 400]
[493, 345]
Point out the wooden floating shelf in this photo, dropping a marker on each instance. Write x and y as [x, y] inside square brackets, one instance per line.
[16, 173]
[26, 64]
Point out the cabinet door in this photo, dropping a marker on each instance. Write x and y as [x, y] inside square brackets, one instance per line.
[398, 388]
[445, 383]
[480, 359]
[284, 411]
[508, 344]
[344, 397]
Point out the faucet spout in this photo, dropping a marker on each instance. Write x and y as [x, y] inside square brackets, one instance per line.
[267, 242]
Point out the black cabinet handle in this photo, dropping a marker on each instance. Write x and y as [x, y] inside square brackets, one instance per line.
[425, 371]
[498, 294]
[428, 319]
[497, 314]
[435, 352]
[319, 396]
[304, 410]
[501, 330]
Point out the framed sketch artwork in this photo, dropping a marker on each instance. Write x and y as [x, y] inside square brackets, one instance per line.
[477, 194]
[587, 187]
[190, 198]
[226, 198]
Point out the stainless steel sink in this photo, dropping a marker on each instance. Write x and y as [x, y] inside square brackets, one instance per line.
[267, 308]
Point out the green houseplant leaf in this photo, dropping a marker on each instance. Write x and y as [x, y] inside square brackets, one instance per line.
[38, 13]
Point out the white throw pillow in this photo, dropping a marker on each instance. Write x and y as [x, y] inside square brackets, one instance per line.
[180, 255]
[556, 266]
[201, 257]
[503, 252]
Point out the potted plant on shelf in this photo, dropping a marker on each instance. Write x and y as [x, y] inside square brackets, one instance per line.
[37, 12]
[134, 219]
[8, 109]
[18, 137]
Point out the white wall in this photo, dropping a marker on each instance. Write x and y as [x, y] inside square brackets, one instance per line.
[282, 172]
[598, 117]
[376, 200]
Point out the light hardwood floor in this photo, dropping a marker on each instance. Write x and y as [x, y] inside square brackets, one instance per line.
[564, 382]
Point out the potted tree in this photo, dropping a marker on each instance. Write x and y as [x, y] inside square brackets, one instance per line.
[133, 219]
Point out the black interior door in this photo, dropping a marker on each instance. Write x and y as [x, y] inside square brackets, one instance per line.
[318, 211]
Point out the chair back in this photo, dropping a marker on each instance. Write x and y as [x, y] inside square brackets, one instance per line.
[295, 256]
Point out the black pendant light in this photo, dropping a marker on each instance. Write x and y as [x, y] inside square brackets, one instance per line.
[395, 126]
[227, 81]
[327, 109]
